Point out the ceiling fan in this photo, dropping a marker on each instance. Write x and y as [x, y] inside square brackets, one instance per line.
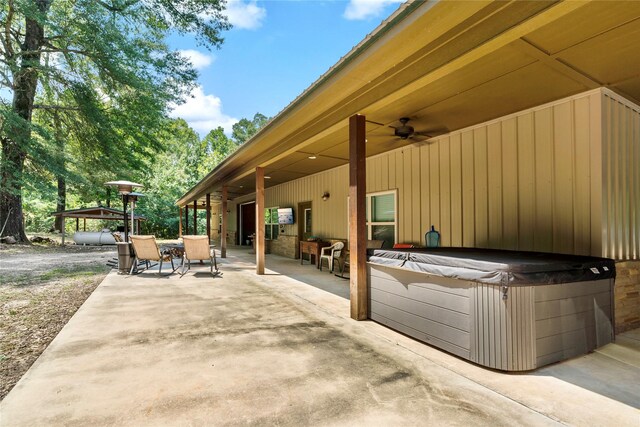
[405, 131]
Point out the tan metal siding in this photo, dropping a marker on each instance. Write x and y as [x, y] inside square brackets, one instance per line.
[455, 237]
[520, 182]
[329, 217]
[621, 178]
[536, 180]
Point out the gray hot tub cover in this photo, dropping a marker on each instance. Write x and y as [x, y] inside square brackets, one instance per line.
[497, 266]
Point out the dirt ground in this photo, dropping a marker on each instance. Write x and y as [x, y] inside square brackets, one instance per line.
[41, 287]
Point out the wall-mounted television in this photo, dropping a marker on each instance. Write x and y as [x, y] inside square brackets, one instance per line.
[285, 215]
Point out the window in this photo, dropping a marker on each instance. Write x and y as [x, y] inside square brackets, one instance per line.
[307, 220]
[381, 217]
[271, 223]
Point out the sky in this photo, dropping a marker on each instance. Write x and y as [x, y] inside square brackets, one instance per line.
[275, 50]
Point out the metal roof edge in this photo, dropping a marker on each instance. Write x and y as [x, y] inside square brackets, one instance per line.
[385, 26]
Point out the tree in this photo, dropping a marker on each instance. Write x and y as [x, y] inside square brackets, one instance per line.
[173, 170]
[216, 147]
[104, 68]
[245, 128]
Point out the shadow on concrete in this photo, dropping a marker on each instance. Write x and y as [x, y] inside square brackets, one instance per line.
[612, 371]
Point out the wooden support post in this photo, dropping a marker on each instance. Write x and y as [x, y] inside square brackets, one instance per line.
[223, 235]
[357, 220]
[195, 217]
[180, 222]
[77, 224]
[63, 229]
[208, 208]
[259, 242]
[186, 220]
[84, 224]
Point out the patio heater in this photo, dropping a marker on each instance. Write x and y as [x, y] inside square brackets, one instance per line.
[133, 198]
[125, 249]
[125, 188]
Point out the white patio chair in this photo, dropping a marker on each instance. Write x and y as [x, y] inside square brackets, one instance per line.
[332, 254]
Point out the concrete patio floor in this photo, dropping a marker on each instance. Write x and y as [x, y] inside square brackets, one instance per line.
[247, 349]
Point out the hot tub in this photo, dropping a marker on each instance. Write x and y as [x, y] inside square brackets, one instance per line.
[513, 311]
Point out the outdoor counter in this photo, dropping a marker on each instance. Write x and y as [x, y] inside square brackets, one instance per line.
[507, 310]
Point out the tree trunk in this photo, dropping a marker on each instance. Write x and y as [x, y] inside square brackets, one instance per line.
[10, 196]
[14, 147]
[61, 201]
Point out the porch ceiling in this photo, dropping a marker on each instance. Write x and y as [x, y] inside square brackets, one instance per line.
[445, 65]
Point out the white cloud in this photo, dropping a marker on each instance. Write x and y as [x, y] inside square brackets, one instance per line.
[363, 9]
[247, 16]
[197, 58]
[203, 113]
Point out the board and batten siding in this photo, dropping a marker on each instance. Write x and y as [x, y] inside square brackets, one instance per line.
[329, 219]
[537, 180]
[621, 178]
[522, 182]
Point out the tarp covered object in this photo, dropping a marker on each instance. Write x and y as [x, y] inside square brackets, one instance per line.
[497, 267]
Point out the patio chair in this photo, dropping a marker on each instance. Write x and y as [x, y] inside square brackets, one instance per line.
[332, 254]
[146, 249]
[371, 244]
[196, 248]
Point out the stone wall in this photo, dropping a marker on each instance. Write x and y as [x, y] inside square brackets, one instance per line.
[627, 295]
[285, 245]
[231, 238]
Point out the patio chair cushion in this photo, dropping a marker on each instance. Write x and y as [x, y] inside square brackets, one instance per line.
[146, 248]
[197, 247]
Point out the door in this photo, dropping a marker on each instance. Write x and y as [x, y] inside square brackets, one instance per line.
[247, 222]
[305, 223]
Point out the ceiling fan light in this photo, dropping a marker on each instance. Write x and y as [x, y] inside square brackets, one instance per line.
[313, 157]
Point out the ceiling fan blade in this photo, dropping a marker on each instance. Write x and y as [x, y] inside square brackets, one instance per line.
[375, 123]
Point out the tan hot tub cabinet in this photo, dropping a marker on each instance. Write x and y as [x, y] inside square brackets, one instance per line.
[513, 311]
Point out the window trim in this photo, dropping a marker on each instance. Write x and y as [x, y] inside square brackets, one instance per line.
[369, 213]
[305, 224]
[271, 224]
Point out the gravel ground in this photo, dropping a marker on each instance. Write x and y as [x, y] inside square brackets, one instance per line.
[41, 287]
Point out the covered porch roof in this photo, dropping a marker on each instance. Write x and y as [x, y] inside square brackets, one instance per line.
[446, 66]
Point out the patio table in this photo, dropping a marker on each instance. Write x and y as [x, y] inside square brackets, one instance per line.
[312, 248]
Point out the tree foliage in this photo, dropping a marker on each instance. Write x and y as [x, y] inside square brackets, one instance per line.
[97, 72]
[174, 169]
[245, 128]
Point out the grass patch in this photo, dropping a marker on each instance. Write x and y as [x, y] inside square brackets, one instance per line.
[57, 274]
[74, 272]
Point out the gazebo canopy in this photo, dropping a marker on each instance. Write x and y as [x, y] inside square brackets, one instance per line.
[98, 212]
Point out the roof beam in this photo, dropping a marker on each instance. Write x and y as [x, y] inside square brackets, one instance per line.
[553, 62]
